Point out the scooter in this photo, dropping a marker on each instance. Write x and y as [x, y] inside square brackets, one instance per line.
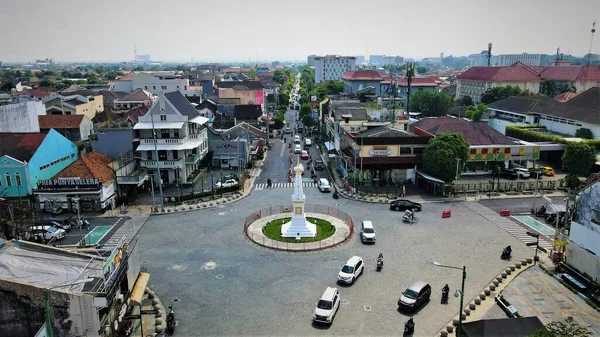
[408, 216]
[409, 327]
[336, 195]
[380, 262]
[505, 255]
[171, 321]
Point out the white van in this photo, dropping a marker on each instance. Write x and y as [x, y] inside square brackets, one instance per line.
[328, 306]
[367, 232]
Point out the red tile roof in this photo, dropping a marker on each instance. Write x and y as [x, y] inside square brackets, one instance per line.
[93, 165]
[416, 81]
[565, 96]
[518, 72]
[127, 77]
[366, 75]
[21, 146]
[37, 92]
[561, 73]
[475, 133]
[60, 121]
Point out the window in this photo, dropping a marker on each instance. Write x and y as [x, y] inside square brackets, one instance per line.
[8, 181]
[146, 87]
[185, 87]
[405, 150]
[154, 87]
[175, 154]
[163, 117]
[18, 179]
[163, 87]
[149, 155]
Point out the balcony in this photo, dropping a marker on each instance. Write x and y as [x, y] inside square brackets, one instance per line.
[165, 141]
[162, 164]
[135, 178]
[192, 159]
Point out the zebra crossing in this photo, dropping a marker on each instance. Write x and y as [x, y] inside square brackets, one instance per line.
[259, 187]
[514, 229]
[128, 230]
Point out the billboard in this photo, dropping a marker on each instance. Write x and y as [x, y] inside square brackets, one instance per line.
[259, 97]
[112, 263]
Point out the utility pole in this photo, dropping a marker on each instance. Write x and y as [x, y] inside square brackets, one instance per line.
[410, 72]
[162, 201]
[489, 55]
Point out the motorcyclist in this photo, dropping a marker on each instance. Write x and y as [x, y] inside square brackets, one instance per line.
[445, 289]
[409, 214]
[269, 182]
[380, 257]
[409, 325]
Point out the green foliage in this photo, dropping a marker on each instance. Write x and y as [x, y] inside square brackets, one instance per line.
[439, 157]
[422, 70]
[431, 104]
[578, 158]
[395, 69]
[584, 133]
[284, 98]
[6, 87]
[523, 132]
[568, 328]
[305, 109]
[572, 181]
[466, 101]
[552, 88]
[279, 76]
[329, 88]
[252, 73]
[138, 68]
[475, 113]
[308, 121]
[278, 122]
[492, 95]
[273, 230]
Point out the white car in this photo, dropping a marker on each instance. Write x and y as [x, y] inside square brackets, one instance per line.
[522, 173]
[227, 183]
[324, 185]
[328, 306]
[297, 148]
[351, 270]
[307, 142]
[297, 139]
[45, 233]
[288, 130]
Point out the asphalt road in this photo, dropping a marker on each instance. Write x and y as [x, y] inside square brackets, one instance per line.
[73, 236]
[518, 205]
[226, 285]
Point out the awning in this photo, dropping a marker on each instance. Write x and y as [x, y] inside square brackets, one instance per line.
[158, 125]
[329, 146]
[428, 177]
[199, 120]
[554, 208]
[139, 287]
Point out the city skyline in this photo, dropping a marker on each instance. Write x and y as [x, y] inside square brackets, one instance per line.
[229, 34]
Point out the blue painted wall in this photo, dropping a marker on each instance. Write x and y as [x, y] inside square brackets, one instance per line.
[54, 147]
[13, 167]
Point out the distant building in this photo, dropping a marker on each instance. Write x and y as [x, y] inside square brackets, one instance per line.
[142, 58]
[241, 92]
[80, 102]
[526, 59]
[310, 60]
[155, 82]
[333, 67]
[44, 62]
[262, 69]
[393, 60]
[360, 59]
[376, 59]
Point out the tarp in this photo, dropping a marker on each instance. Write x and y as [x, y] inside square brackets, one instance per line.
[329, 146]
[139, 287]
[428, 177]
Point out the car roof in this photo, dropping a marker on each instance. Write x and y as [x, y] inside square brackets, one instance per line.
[367, 223]
[417, 286]
[328, 294]
[353, 260]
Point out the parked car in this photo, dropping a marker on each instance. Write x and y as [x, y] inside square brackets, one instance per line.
[227, 183]
[307, 142]
[45, 233]
[535, 173]
[319, 165]
[351, 270]
[547, 171]
[304, 154]
[403, 205]
[65, 225]
[229, 177]
[324, 185]
[522, 173]
[415, 296]
[327, 306]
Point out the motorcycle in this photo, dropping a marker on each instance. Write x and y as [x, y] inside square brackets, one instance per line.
[540, 211]
[505, 254]
[409, 327]
[408, 216]
[336, 195]
[380, 262]
[171, 321]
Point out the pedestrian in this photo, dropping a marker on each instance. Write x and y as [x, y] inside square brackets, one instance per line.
[310, 157]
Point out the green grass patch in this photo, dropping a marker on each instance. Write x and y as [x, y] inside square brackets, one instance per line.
[272, 230]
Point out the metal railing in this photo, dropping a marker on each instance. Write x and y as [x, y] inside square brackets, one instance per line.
[305, 246]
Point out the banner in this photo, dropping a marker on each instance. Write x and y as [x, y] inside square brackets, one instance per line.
[259, 98]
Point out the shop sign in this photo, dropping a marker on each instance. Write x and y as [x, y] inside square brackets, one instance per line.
[68, 183]
[227, 146]
[112, 264]
[380, 152]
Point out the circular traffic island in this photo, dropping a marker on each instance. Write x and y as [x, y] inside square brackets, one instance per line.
[333, 227]
[272, 230]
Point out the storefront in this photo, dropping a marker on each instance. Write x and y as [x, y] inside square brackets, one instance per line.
[91, 194]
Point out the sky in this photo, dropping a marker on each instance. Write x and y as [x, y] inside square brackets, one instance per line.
[270, 30]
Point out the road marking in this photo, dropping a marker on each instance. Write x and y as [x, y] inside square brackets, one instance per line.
[209, 265]
[259, 187]
[177, 267]
[367, 308]
[220, 277]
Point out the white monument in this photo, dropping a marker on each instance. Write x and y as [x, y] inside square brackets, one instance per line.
[298, 227]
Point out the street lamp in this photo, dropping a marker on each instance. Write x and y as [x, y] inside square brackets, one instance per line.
[47, 309]
[76, 200]
[462, 290]
[457, 163]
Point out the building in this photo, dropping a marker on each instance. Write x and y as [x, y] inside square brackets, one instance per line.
[401, 83]
[310, 60]
[136, 98]
[262, 69]
[376, 60]
[204, 79]
[155, 82]
[80, 102]
[476, 80]
[358, 80]
[583, 250]
[249, 92]
[124, 83]
[87, 294]
[558, 118]
[235, 147]
[526, 59]
[393, 60]
[44, 62]
[360, 59]
[21, 117]
[90, 178]
[73, 127]
[180, 138]
[333, 67]
[26, 158]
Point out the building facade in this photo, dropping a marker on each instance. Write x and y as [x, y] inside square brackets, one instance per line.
[165, 82]
[310, 60]
[393, 60]
[376, 60]
[74, 127]
[21, 117]
[333, 67]
[82, 102]
[181, 139]
[358, 80]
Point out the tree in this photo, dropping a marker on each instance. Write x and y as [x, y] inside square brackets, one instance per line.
[568, 328]
[305, 109]
[279, 76]
[431, 104]
[46, 84]
[466, 101]
[252, 73]
[6, 87]
[552, 88]
[475, 112]
[138, 68]
[328, 88]
[584, 133]
[579, 158]
[284, 98]
[308, 121]
[492, 95]
[278, 122]
[421, 70]
[441, 153]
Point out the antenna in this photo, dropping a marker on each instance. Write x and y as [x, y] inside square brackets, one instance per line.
[591, 42]
[557, 57]
[489, 54]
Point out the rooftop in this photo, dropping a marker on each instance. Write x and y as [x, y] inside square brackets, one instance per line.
[84, 93]
[93, 165]
[240, 85]
[366, 75]
[138, 95]
[20, 146]
[518, 72]
[524, 104]
[60, 121]
[475, 133]
[384, 131]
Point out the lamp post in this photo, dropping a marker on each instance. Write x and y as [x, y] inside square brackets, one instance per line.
[457, 163]
[162, 201]
[47, 309]
[76, 200]
[462, 291]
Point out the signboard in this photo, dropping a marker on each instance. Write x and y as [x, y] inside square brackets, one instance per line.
[112, 264]
[380, 152]
[69, 183]
[259, 97]
[313, 98]
[315, 115]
